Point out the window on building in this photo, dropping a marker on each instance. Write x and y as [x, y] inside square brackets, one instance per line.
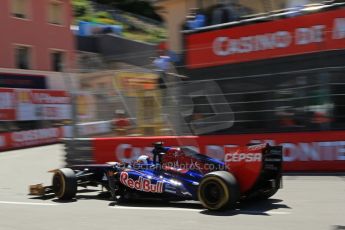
[57, 61]
[22, 57]
[20, 8]
[55, 12]
[102, 85]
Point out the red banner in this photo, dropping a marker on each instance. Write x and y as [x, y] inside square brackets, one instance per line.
[29, 138]
[298, 35]
[314, 151]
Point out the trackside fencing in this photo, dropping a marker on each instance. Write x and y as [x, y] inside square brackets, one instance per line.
[78, 151]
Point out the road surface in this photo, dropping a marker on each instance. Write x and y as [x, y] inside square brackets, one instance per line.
[305, 202]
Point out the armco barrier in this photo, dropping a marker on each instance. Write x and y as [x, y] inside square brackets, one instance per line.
[78, 151]
[82, 150]
[319, 151]
[307, 151]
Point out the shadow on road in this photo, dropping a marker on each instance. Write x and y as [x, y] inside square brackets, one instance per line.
[157, 204]
[262, 208]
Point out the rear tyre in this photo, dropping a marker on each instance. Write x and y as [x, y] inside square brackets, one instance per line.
[65, 184]
[218, 191]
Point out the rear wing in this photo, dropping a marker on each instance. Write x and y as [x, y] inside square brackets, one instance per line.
[273, 158]
[250, 163]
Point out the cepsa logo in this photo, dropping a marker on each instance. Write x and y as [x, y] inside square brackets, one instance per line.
[243, 157]
[142, 184]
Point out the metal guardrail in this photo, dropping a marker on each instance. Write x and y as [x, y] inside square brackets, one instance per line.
[272, 15]
[78, 151]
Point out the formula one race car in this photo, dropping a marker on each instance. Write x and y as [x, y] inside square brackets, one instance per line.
[177, 174]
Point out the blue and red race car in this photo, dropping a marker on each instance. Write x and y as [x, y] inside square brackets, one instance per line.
[177, 174]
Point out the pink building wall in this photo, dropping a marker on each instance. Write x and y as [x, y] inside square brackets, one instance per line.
[35, 32]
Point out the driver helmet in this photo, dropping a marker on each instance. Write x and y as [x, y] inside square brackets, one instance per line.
[143, 159]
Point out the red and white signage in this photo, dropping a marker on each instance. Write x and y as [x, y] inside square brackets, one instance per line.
[29, 138]
[298, 35]
[42, 105]
[49, 96]
[34, 104]
[7, 104]
[307, 151]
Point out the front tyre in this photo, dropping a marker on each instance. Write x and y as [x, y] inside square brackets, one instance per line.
[65, 184]
[218, 191]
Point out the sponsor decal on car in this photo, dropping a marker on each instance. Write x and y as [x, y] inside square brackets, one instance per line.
[142, 184]
[246, 157]
[256, 147]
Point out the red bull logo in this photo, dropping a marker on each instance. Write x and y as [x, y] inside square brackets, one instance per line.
[142, 184]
